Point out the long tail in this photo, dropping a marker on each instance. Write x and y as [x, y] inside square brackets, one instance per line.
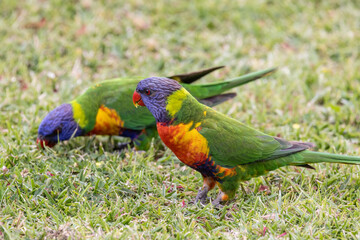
[194, 76]
[201, 91]
[307, 157]
[301, 159]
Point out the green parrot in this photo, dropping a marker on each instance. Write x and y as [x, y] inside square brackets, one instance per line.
[222, 149]
[106, 109]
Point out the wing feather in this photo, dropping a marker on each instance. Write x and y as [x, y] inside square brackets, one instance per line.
[232, 143]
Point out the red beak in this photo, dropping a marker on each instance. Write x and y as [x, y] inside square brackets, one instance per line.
[42, 143]
[137, 100]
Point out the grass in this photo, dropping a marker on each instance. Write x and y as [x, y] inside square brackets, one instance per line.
[52, 50]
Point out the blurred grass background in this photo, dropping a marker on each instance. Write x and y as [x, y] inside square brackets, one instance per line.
[51, 51]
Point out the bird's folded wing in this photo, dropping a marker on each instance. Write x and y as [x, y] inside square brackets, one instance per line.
[232, 143]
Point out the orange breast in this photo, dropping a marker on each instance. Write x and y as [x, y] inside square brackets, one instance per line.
[192, 149]
[188, 145]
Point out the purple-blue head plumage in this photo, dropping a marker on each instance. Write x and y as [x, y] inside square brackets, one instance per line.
[59, 125]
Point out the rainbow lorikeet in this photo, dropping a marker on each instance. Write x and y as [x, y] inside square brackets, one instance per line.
[106, 109]
[222, 149]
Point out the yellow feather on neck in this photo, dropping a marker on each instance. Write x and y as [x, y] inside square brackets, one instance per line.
[79, 114]
[175, 101]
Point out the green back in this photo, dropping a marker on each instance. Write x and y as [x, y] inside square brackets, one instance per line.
[115, 94]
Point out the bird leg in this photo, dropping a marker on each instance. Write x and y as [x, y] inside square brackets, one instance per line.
[202, 194]
[220, 198]
[209, 183]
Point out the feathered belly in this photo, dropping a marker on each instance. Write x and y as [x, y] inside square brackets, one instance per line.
[186, 142]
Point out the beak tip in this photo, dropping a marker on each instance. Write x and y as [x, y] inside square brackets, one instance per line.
[41, 143]
[137, 100]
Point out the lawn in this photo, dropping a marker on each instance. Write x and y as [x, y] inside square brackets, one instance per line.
[51, 51]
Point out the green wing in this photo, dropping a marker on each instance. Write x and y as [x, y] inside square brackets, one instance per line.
[232, 143]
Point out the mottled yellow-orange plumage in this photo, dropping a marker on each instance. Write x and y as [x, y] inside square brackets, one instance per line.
[187, 144]
[190, 146]
[108, 122]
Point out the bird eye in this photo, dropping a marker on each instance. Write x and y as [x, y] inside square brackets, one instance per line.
[147, 92]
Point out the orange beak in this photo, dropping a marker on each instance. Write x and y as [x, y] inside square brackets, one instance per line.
[42, 143]
[137, 100]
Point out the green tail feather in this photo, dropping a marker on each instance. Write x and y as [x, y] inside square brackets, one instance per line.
[301, 159]
[208, 90]
[226, 85]
[318, 157]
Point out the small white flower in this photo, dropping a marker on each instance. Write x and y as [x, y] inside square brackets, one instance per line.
[4, 169]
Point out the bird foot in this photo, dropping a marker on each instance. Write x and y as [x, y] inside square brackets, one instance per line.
[216, 204]
[218, 200]
[201, 200]
[201, 196]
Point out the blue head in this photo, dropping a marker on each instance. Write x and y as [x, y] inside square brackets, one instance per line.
[59, 125]
[153, 93]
